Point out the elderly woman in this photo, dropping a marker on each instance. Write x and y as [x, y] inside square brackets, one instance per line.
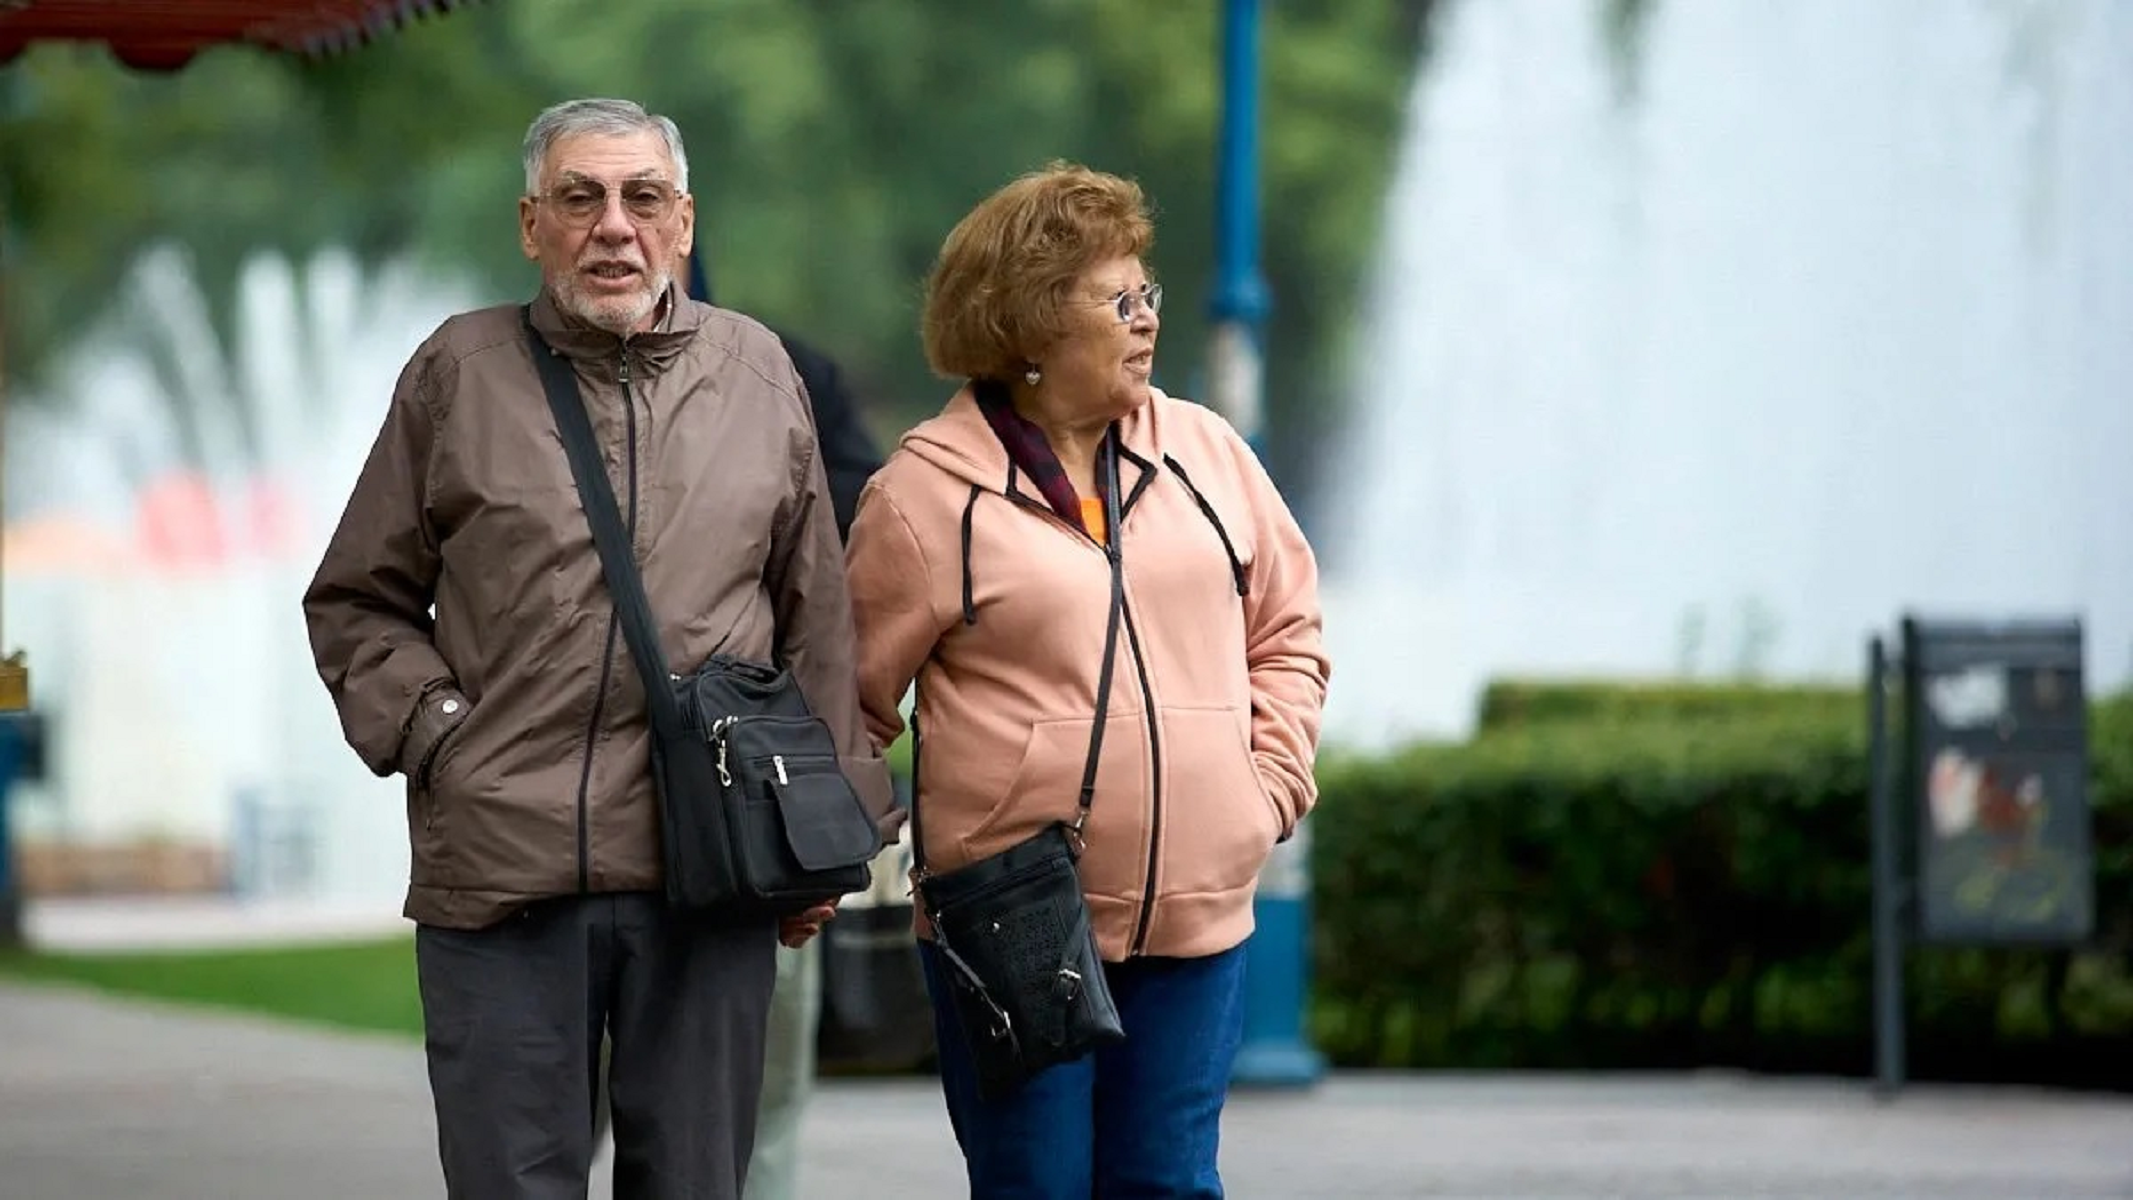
[982, 567]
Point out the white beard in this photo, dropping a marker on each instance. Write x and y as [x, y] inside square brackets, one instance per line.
[619, 315]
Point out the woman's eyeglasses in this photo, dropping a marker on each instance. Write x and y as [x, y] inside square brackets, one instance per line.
[1126, 303]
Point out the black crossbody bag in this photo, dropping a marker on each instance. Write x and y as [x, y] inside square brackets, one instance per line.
[1013, 929]
[756, 816]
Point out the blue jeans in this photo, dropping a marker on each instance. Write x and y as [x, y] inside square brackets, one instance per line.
[1139, 1119]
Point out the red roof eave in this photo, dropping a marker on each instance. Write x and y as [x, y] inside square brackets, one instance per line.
[164, 35]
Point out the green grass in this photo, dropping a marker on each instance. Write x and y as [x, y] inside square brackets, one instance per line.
[359, 985]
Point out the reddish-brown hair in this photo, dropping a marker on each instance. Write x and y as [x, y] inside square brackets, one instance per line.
[998, 294]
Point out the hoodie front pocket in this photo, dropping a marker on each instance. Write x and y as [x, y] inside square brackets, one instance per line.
[1218, 827]
[1045, 787]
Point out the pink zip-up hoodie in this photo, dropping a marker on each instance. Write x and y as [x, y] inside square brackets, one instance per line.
[965, 581]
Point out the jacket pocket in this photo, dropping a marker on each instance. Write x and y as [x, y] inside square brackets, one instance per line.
[1044, 788]
[436, 781]
[1218, 823]
[430, 841]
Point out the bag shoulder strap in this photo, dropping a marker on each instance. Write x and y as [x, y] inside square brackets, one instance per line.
[619, 565]
[1113, 550]
[1113, 547]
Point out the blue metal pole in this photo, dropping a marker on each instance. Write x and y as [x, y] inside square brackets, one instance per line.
[1275, 1052]
[15, 731]
[1241, 300]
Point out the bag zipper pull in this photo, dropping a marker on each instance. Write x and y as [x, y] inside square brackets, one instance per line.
[778, 761]
[718, 734]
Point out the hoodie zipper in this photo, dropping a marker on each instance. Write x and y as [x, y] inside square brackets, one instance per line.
[607, 657]
[1139, 945]
[1155, 741]
[1155, 786]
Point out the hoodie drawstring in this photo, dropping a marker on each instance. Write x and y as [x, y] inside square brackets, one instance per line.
[1236, 569]
[970, 607]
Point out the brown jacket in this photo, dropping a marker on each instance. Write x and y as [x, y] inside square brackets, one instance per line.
[515, 711]
[963, 580]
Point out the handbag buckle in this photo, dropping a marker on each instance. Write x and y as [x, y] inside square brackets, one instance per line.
[1003, 1026]
[1074, 834]
[718, 735]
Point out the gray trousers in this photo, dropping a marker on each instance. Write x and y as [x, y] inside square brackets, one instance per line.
[514, 1015]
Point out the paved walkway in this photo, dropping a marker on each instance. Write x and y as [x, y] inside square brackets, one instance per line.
[104, 1100]
[92, 924]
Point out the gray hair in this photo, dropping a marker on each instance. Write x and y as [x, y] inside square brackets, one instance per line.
[611, 118]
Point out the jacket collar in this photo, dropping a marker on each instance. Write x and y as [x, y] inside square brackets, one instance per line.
[652, 350]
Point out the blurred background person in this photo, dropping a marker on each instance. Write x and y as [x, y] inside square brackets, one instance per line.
[849, 458]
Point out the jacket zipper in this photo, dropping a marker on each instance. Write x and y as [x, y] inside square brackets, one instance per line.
[1155, 746]
[1155, 787]
[607, 657]
[1139, 946]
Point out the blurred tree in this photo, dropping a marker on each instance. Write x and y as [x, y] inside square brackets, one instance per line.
[832, 145]
[99, 166]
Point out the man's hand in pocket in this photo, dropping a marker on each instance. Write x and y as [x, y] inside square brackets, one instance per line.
[796, 931]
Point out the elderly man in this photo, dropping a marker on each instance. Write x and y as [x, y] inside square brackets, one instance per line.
[462, 623]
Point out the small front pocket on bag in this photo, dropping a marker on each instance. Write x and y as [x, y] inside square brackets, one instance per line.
[816, 806]
[800, 826]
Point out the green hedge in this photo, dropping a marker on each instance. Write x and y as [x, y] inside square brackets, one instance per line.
[1674, 876]
[1519, 703]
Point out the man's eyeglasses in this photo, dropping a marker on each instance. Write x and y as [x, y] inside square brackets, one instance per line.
[582, 201]
[1127, 302]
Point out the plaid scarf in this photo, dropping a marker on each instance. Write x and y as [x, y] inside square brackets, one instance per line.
[1029, 452]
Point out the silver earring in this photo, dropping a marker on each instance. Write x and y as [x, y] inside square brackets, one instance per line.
[1032, 375]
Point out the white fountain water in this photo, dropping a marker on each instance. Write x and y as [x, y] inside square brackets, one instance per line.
[155, 577]
[1720, 353]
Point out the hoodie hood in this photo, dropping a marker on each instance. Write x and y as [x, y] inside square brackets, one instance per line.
[960, 442]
